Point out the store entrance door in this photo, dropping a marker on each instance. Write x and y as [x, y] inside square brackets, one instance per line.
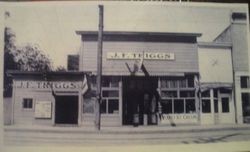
[136, 99]
[224, 114]
[66, 110]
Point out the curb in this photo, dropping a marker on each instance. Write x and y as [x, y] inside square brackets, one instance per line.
[120, 131]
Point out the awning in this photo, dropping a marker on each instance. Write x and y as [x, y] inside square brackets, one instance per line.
[215, 85]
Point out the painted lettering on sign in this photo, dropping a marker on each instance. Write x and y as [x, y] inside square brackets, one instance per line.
[179, 118]
[139, 55]
[47, 85]
[184, 117]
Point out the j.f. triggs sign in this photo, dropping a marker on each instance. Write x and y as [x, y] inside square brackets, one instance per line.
[65, 85]
[139, 55]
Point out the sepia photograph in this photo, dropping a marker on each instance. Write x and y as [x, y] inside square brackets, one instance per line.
[125, 74]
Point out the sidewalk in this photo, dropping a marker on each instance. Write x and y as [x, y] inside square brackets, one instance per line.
[126, 129]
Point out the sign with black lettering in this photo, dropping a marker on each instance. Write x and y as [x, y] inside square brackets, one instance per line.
[179, 118]
[139, 55]
[57, 85]
[43, 109]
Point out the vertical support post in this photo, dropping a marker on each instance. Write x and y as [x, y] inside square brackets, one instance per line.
[197, 97]
[120, 100]
[212, 104]
[99, 72]
[79, 108]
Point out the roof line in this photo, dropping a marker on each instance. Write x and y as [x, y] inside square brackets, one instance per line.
[214, 44]
[139, 33]
[222, 32]
[16, 72]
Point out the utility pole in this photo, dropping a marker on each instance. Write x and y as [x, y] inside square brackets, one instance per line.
[99, 72]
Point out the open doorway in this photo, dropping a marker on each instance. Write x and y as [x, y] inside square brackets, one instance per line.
[66, 110]
[137, 96]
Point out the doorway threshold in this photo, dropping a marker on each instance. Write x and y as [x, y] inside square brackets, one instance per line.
[66, 125]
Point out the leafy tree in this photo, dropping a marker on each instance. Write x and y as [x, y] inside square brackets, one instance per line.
[9, 62]
[25, 58]
[31, 58]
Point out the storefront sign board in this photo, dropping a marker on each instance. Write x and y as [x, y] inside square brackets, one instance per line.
[139, 55]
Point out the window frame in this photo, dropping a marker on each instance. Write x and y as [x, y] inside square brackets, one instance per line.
[32, 103]
[245, 85]
[178, 89]
[228, 105]
[109, 87]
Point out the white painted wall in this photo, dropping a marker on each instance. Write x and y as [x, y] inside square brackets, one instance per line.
[215, 65]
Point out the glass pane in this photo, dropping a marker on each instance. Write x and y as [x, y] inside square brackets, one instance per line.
[25, 103]
[169, 94]
[114, 81]
[93, 82]
[113, 106]
[216, 106]
[243, 81]
[178, 106]
[187, 94]
[205, 93]
[30, 103]
[225, 104]
[105, 81]
[246, 104]
[103, 106]
[216, 93]
[190, 106]
[110, 93]
[226, 91]
[183, 83]
[166, 106]
[163, 83]
[172, 84]
[190, 82]
[206, 106]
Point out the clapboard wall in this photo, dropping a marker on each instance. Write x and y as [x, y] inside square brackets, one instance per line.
[186, 57]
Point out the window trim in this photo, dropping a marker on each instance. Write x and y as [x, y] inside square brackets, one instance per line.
[28, 109]
[178, 90]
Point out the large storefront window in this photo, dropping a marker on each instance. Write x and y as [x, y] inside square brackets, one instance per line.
[178, 95]
[206, 106]
[110, 96]
[206, 102]
[225, 105]
[179, 106]
[110, 102]
[190, 106]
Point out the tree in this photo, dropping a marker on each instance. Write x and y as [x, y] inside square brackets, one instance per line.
[24, 58]
[9, 62]
[31, 58]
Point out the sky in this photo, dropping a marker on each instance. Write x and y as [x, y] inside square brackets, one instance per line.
[52, 25]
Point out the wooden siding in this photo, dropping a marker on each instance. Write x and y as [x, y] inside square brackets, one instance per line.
[27, 117]
[186, 57]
